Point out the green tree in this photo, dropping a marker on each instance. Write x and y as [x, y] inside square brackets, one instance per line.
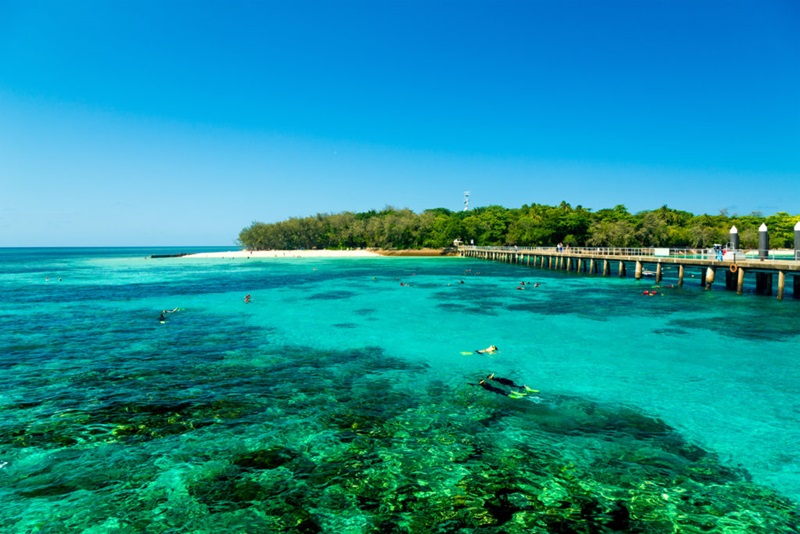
[780, 228]
[706, 230]
[612, 233]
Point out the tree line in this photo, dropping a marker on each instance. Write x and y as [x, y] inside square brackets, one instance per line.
[530, 225]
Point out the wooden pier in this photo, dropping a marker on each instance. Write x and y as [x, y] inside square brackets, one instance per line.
[652, 262]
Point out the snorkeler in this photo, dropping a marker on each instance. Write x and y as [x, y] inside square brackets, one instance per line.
[488, 350]
[510, 383]
[488, 387]
[247, 298]
[491, 388]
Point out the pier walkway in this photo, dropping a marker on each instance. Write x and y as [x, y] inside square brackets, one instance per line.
[650, 262]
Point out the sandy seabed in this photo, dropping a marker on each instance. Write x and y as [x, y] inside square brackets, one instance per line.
[233, 254]
[353, 253]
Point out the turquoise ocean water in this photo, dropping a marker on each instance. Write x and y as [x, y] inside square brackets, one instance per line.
[339, 400]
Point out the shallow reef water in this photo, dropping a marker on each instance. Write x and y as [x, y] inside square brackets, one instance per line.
[348, 443]
[343, 402]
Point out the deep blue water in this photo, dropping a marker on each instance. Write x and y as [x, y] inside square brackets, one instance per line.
[339, 400]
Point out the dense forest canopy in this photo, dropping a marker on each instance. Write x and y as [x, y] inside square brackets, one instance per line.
[530, 225]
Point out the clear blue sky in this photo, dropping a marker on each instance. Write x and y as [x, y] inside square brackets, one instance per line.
[180, 122]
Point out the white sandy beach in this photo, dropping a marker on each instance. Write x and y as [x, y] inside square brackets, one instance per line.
[234, 254]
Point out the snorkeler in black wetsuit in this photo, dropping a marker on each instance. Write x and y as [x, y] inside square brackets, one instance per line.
[523, 390]
[491, 388]
[507, 382]
[510, 394]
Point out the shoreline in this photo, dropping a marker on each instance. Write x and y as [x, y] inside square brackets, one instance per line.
[418, 253]
[354, 253]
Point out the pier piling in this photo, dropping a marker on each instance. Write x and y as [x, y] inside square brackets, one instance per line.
[764, 283]
[730, 280]
[710, 271]
[740, 281]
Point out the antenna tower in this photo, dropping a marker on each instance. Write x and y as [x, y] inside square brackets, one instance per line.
[466, 200]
